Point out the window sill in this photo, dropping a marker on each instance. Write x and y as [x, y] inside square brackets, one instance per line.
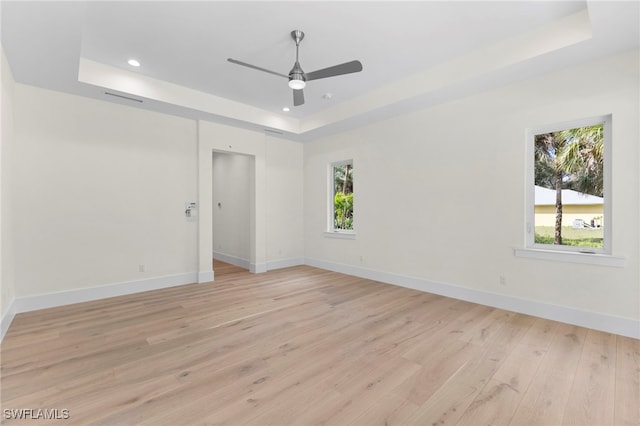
[571, 257]
[340, 234]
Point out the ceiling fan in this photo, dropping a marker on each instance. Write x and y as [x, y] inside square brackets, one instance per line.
[298, 78]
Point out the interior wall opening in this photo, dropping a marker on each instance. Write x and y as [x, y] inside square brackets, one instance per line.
[233, 180]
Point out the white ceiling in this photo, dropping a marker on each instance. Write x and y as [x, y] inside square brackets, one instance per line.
[415, 54]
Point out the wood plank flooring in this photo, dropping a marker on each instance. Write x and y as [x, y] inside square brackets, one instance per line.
[222, 268]
[304, 346]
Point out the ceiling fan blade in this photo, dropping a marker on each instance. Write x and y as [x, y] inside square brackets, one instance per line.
[244, 64]
[346, 68]
[298, 97]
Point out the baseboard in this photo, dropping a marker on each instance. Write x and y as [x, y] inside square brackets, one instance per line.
[205, 276]
[234, 260]
[51, 300]
[258, 268]
[594, 320]
[284, 263]
[7, 318]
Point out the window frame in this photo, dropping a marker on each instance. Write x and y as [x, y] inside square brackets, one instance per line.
[331, 231]
[593, 255]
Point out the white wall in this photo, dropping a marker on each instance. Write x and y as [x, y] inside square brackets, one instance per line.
[100, 189]
[232, 180]
[284, 174]
[439, 193]
[7, 288]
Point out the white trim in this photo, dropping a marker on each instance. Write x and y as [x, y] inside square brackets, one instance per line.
[255, 268]
[258, 268]
[67, 297]
[234, 260]
[572, 257]
[284, 263]
[345, 235]
[598, 321]
[205, 276]
[7, 318]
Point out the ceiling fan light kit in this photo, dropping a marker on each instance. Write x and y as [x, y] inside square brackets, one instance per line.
[297, 83]
[298, 78]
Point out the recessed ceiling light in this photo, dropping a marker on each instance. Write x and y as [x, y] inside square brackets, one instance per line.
[133, 63]
[286, 109]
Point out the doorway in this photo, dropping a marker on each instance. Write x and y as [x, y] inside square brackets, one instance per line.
[212, 138]
[232, 185]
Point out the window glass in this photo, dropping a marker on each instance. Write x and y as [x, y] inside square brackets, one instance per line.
[570, 207]
[342, 196]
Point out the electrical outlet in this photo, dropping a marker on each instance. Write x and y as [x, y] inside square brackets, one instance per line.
[141, 268]
[503, 280]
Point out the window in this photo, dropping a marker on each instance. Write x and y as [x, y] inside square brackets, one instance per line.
[568, 200]
[341, 197]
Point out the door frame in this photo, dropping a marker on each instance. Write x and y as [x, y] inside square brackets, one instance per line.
[214, 137]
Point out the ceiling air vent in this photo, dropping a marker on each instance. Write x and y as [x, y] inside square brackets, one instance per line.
[123, 97]
[273, 131]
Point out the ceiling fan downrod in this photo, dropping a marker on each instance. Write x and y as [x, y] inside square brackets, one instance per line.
[297, 77]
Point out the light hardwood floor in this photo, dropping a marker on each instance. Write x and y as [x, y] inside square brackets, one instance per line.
[223, 268]
[307, 346]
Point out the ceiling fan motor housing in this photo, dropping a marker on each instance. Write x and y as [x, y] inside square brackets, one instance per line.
[296, 73]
